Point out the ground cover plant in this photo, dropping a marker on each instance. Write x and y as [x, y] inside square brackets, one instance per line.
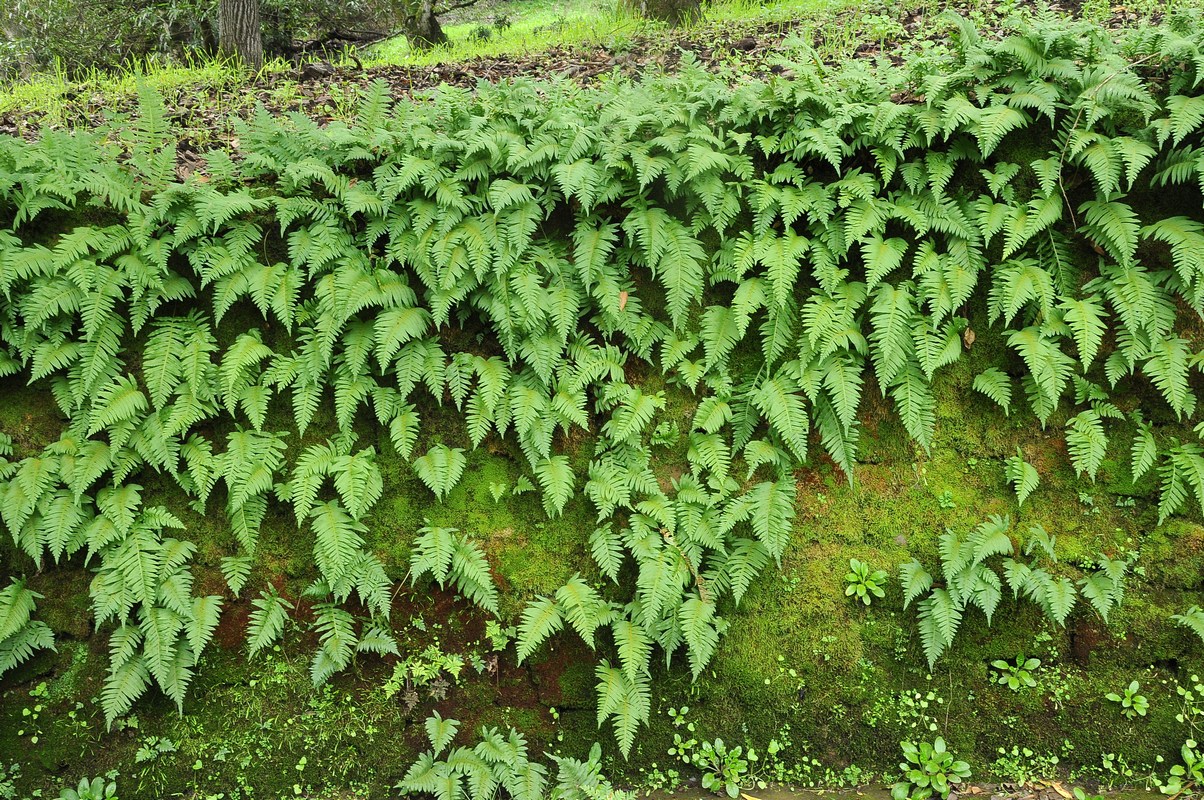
[279, 403]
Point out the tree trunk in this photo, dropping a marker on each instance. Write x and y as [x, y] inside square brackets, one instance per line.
[422, 26]
[239, 32]
[675, 12]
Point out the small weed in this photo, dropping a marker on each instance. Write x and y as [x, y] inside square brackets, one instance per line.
[1016, 676]
[1133, 704]
[862, 583]
[929, 769]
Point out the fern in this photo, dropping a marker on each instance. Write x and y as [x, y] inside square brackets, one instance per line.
[236, 570]
[555, 477]
[1022, 475]
[539, 620]
[1085, 316]
[607, 550]
[358, 481]
[997, 386]
[441, 468]
[497, 762]
[336, 632]
[915, 580]
[1192, 619]
[940, 617]
[20, 635]
[531, 278]
[1181, 475]
[1143, 452]
[338, 542]
[450, 557]
[1087, 442]
[1104, 588]
[1168, 367]
[699, 628]
[968, 579]
[267, 621]
[625, 701]
[440, 731]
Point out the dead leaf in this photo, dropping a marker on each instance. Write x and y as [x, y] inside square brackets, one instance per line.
[623, 303]
[968, 337]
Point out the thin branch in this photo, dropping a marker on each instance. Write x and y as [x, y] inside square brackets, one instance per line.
[457, 6]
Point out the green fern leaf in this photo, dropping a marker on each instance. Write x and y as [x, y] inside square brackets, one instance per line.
[440, 731]
[1087, 442]
[267, 621]
[338, 541]
[627, 702]
[432, 552]
[915, 403]
[358, 481]
[1192, 619]
[915, 580]
[635, 649]
[540, 620]
[996, 385]
[1144, 451]
[555, 476]
[441, 468]
[1167, 368]
[1086, 319]
[939, 618]
[607, 550]
[471, 575]
[1022, 475]
[698, 625]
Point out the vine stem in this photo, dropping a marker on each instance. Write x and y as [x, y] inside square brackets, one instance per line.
[1074, 126]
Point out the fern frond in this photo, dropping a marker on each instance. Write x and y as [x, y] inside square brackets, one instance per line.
[1022, 476]
[555, 476]
[939, 619]
[1192, 619]
[540, 620]
[266, 622]
[441, 468]
[1087, 442]
[997, 386]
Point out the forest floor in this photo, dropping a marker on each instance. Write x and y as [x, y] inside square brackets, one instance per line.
[744, 40]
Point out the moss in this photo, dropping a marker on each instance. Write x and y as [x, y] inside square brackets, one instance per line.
[75, 667]
[577, 686]
[65, 605]
[1173, 555]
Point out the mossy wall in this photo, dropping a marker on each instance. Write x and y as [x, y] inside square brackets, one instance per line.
[802, 663]
[824, 683]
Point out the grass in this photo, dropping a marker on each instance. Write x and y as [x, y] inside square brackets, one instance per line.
[534, 26]
[540, 25]
[45, 94]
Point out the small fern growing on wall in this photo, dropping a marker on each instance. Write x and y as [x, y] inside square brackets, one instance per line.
[967, 580]
[20, 635]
